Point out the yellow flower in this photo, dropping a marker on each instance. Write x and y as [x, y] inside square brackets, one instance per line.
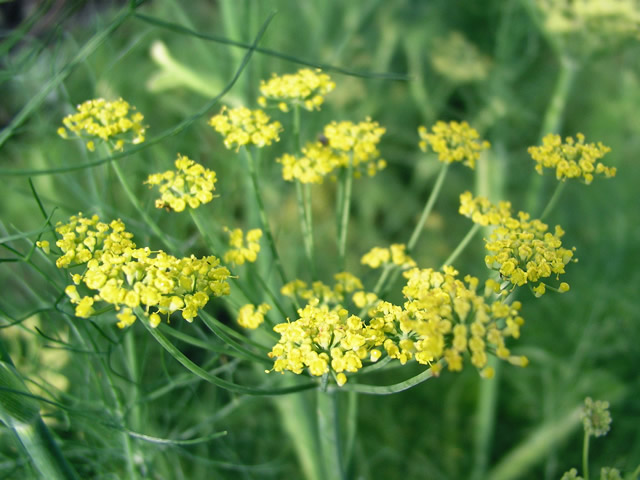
[306, 88]
[521, 249]
[117, 272]
[241, 126]
[243, 248]
[395, 254]
[453, 142]
[572, 159]
[251, 317]
[442, 318]
[189, 185]
[316, 162]
[111, 122]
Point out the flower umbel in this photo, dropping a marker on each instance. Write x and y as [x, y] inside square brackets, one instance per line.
[442, 318]
[111, 122]
[572, 159]
[250, 317]
[306, 88]
[395, 254]
[521, 249]
[453, 142]
[341, 144]
[242, 126]
[120, 274]
[596, 417]
[189, 185]
[243, 248]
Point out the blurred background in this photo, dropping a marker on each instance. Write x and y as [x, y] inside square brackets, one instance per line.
[514, 69]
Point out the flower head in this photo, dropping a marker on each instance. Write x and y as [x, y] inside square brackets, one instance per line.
[453, 142]
[395, 254]
[521, 249]
[596, 418]
[442, 318]
[251, 317]
[112, 122]
[242, 126]
[189, 185]
[243, 248]
[572, 159]
[306, 88]
[316, 162]
[119, 273]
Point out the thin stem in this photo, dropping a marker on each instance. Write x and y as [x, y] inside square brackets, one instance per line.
[585, 456]
[263, 216]
[462, 245]
[553, 200]
[345, 208]
[428, 207]
[303, 195]
[329, 433]
[136, 204]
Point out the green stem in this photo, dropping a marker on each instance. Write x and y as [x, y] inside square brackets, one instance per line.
[462, 245]
[553, 200]
[585, 456]
[428, 207]
[345, 209]
[329, 433]
[136, 204]
[303, 195]
[485, 417]
[253, 174]
[351, 427]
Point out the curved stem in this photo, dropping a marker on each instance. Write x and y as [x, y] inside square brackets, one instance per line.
[553, 200]
[263, 216]
[303, 195]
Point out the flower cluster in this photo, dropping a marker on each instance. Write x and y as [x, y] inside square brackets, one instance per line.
[120, 274]
[316, 162]
[108, 121]
[190, 184]
[596, 418]
[521, 249]
[251, 317]
[443, 318]
[395, 254]
[342, 144]
[322, 293]
[243, 248]
[242, 126]
[572, 159]
[306, 88]
[481, 211]
[453, 142]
